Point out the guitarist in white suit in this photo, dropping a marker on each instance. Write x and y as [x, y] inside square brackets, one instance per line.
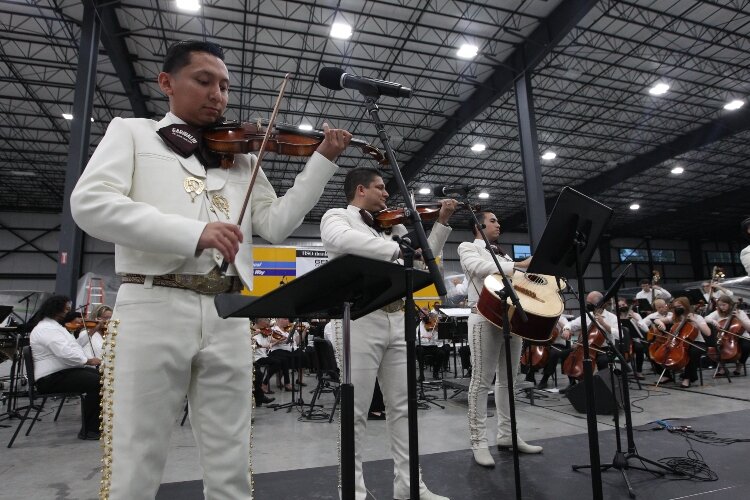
[378, 348]
[488, 346]
[152, 190]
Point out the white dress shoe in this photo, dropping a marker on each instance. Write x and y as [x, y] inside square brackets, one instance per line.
[523, 446]
[424, 494]
[482, 457]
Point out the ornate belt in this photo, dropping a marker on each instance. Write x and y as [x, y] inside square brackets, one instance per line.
[208, 284]
[394, 306]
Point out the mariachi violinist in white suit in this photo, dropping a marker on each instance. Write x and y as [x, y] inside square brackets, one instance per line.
[151, 189]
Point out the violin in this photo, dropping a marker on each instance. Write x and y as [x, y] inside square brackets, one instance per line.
[230, 138]
[428, 212]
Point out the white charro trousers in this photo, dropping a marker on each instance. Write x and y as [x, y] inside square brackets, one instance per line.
[487, 360]
[170, 342]
[378, 350]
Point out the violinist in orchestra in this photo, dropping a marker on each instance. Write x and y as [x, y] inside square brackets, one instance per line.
[651, 291]
[726, 309]
[60, 365]
[606, 322]
[155, 190]
[262, 341]
[378, 348]
[92, 340]
[284, 345]
[429, 344]
[631, 321]
[487, 344]
[683, 312]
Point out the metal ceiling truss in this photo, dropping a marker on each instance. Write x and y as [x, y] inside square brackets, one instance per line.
[589, 82]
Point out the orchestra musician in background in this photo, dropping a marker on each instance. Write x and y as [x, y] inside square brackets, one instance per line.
[651, 292]
[632, 321]
[681, 310]
[92, 339]
[725, 308]
[559, 350]
[60, 364]
[745, 253]
[488, 358]
[428, 333]
[606, 321]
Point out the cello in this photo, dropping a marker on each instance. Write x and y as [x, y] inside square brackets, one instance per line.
[573, 365]
[727, 348]
[674, 354]
[536, 355]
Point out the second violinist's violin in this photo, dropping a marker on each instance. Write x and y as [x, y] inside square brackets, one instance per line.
[428, 212]
[230, 138]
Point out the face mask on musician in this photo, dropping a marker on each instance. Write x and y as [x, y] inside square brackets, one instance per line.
[590, 307]
[623, 309]
[679, 311]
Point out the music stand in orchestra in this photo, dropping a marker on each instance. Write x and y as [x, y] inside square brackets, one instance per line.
[347, 287]
[620, 460]
[569, 240]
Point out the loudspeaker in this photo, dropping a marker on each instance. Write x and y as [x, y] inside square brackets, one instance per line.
[604, 403]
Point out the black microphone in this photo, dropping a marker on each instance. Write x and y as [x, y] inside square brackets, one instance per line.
[457, 189]
[337, 79]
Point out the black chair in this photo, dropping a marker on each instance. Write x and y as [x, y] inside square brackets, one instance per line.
[28, 361]
[328, 375]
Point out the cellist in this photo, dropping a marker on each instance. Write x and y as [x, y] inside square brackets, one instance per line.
[718, 318]
[605, 319]
[681, 309]
[632, 321]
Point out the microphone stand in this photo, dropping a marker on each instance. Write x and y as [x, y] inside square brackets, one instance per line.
[507, 292]
[371, 95]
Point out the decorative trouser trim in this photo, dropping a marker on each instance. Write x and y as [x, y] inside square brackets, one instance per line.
[107, 393]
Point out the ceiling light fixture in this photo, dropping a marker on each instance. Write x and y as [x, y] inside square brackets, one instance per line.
[635, 206]
[549, 155]
[483, 195]
[341, 30]
[67, 116]
[677, 170]
[189, 5]
[659, 89]
[467, 51]
[425, 190]
[305, 126]
[478, 148]
[733, 105]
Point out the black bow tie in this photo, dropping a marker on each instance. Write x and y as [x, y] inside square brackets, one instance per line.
[367, 218]
[496, 249]
[187, 140]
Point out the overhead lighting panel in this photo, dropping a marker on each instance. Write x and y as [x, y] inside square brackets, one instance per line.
[733, 105]
[341, 30]
[188, 5]
[659, 89]
[467, 51]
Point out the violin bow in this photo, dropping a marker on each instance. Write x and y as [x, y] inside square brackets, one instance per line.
[261, 153]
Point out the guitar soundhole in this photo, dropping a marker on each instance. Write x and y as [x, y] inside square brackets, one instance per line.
[535, 278]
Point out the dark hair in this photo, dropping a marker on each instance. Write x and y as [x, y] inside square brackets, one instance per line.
[480, 217]
[359, 176]
[178, 55]
[49, 309]
[645, 282]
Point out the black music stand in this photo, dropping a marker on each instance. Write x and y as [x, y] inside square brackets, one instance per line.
[347, 287]
[570, 238]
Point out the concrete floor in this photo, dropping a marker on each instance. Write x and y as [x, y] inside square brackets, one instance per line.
[52, 464]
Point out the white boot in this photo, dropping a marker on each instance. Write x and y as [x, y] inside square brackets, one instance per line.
[424, 494]
[482, 457]
[523, 446]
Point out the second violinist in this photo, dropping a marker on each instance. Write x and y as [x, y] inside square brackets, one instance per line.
[150, 189]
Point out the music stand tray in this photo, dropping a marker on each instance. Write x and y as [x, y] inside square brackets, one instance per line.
[349, 286]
